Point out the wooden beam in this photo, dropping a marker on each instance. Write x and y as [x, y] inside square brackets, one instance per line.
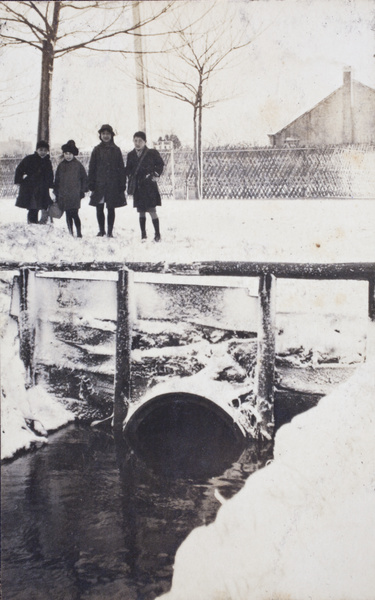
[370, 344]
[371, 299]
[26, 324]
[265, 372]
[82, 266]
[122, 393]
[356, 271]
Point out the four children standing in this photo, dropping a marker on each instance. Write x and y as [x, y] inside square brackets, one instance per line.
[106, 180]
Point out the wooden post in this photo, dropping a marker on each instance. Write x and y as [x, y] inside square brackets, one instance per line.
[265, 372]
[139, 67]
[26, 323]
[172, 172]
[123, 350]
[370, 346]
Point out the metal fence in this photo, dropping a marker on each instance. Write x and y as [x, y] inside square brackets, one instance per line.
[320, 172]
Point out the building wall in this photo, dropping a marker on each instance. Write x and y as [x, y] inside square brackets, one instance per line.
[363, 114]
[320, 126]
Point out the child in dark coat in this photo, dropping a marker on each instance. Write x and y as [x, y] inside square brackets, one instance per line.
[71, 184]
[34, 175]
[107, 179]
[143, 167]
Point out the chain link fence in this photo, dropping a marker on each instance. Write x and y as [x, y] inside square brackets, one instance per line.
[321, 172]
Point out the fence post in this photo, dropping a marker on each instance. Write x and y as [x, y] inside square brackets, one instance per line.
[265, 371]
[370, 346]
[123, 349]
[172, 171]
[26, 323]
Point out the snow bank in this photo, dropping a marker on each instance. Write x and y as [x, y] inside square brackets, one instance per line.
[302, 528]
[26, 415]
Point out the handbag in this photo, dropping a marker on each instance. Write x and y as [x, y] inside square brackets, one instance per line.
[54, 211]
[131, 185]
[133, 177]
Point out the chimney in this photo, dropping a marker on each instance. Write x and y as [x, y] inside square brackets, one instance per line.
[347, 116]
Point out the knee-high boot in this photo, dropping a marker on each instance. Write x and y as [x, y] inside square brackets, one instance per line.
[110, 221]
[32, 216]
[77, 222]
[69, 222]
[101, 219]
[142, 224]
[155, 223]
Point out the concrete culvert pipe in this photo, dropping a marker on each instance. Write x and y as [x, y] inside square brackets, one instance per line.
[181, 434]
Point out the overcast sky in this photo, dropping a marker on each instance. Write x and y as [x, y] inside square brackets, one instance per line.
[296, 60]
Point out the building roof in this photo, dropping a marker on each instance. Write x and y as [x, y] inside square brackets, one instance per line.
[353, 82]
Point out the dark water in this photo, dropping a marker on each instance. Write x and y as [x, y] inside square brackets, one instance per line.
[82, 520]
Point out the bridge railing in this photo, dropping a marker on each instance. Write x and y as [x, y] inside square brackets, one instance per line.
[267, 273]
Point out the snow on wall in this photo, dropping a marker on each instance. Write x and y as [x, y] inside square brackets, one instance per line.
[308, 324]
[27, 415]
[302, 528]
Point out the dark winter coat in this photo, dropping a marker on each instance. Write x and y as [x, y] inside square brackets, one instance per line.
[35, 176]
[71, 184]
[146, 193]
[107, 175]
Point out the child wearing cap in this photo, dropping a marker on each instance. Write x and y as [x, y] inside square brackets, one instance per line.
[106, 179]
[71, 184]
[144, 166]
[34, 175]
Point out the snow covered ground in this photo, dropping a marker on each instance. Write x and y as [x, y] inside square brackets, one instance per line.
[303, 527]
[254, 230]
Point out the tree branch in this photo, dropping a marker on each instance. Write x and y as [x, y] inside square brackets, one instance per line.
[21, 18]
[16, 41]
[43, 17]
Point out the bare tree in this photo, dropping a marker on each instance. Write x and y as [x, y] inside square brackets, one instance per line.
[198, 51]
[58, 27]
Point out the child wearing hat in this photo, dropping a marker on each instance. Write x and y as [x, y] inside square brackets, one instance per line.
[106, 179]
[34, 175]
[71, 184]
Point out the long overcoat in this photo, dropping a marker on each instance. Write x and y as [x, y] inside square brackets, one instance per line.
[35, 176]
[71, 184]
[146, 193]
[107, 177]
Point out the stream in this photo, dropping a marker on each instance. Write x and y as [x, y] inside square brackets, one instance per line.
[82, 518]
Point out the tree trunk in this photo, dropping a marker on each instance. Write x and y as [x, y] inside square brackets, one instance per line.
[45, 92]
[48, 56]
[196, 154]
[198, 158]
[140, 70]
[200, 152]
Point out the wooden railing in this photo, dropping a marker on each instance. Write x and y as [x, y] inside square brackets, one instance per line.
[267, 274]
